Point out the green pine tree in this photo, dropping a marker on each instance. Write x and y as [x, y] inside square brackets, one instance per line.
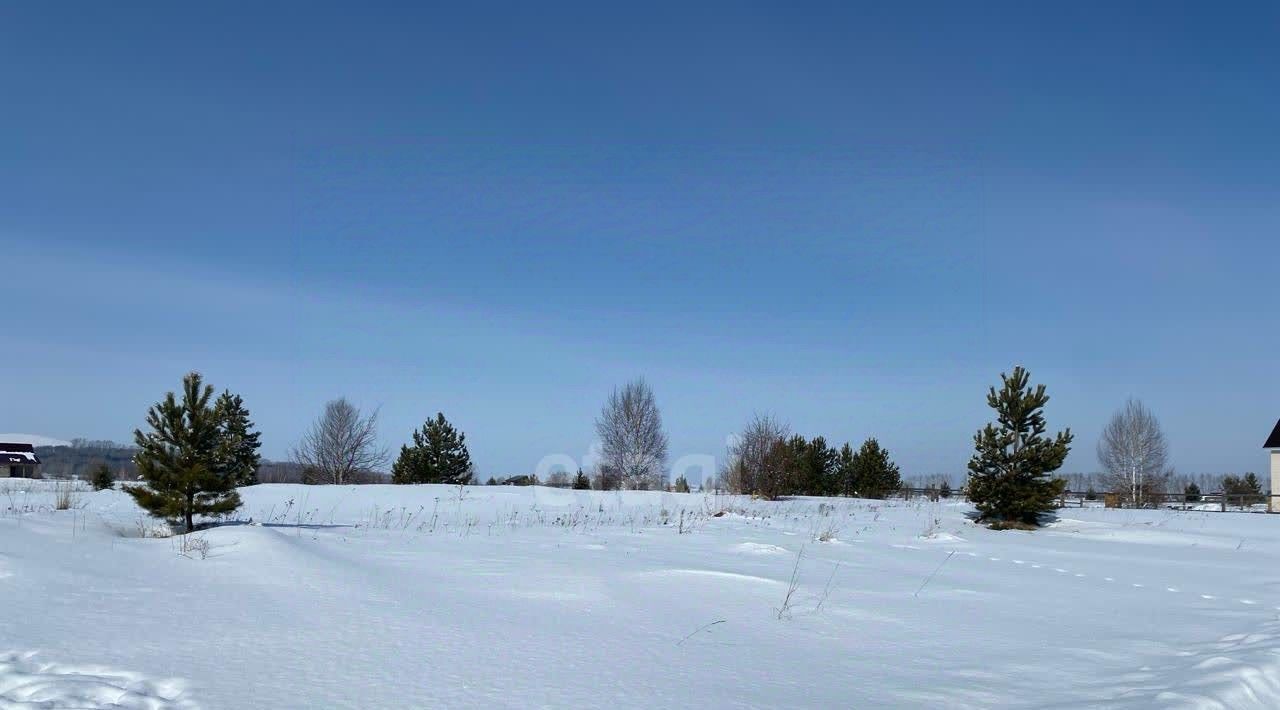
[240, 442]
[682, 485]
[1253, 487]
[581, 482]
[818, 470]
[1249, 489]
[844, 471]
[945, 489]
[872, 472]
[1009, 474]
[102, 479]
[182, 459]
[438, 455]
[1191, 494]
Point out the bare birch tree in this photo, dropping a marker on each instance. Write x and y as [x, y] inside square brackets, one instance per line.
[750, 455]
[342, 445]
[632, 441]
[1134, 454]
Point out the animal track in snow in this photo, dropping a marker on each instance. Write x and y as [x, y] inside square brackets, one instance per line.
[1081, 575]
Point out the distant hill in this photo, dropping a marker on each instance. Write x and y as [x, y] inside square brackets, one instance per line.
[33, 439]
[79, 459]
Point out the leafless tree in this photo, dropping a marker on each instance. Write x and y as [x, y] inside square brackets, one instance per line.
[1134, 454]
[342, 445]
[632, 441]
[751, 455]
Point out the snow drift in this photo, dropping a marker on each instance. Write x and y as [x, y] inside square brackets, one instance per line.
[434, 596]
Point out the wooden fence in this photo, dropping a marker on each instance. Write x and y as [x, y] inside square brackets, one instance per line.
[1216, 501]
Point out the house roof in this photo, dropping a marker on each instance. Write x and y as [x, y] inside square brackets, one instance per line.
[1273, 442]
[18, 454]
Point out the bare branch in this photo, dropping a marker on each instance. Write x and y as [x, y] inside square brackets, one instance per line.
[1134, 454]
[750, 456]
[342, 445]
[634, 446]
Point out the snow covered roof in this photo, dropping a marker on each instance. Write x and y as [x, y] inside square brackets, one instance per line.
[1274, 441]
[11, 453]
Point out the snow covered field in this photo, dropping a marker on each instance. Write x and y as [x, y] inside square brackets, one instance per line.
[433, 596]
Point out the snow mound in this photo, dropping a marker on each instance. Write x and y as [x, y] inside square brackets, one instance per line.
[28, 683]
[33, 439]
[1237, 671]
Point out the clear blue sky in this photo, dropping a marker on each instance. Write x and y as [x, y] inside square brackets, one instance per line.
[852, 215]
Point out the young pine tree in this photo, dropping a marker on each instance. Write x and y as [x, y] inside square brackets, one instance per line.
[682, 485]
[438, 455]
[102, 479]
[1249, 489]
[872, 472]
[581, 482]
[817, 466]
[844, 471]
[239, 441]
[1191, 494]
[1253, 487]
[182, 458]
[1009, 474]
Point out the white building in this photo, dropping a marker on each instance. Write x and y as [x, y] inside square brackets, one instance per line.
[1273, 443]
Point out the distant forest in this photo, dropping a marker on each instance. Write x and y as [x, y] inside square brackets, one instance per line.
[84, 455]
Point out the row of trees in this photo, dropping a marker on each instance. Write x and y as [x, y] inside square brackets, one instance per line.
[198, 450]
[767, 460]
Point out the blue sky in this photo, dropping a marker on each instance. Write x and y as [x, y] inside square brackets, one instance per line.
[854, 216]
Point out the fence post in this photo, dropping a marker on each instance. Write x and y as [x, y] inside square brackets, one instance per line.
[1224, 501]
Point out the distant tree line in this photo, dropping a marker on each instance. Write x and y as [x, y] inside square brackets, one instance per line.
[83, 462]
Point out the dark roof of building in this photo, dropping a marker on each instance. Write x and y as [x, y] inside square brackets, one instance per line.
[18, 453]
[1274, 441]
